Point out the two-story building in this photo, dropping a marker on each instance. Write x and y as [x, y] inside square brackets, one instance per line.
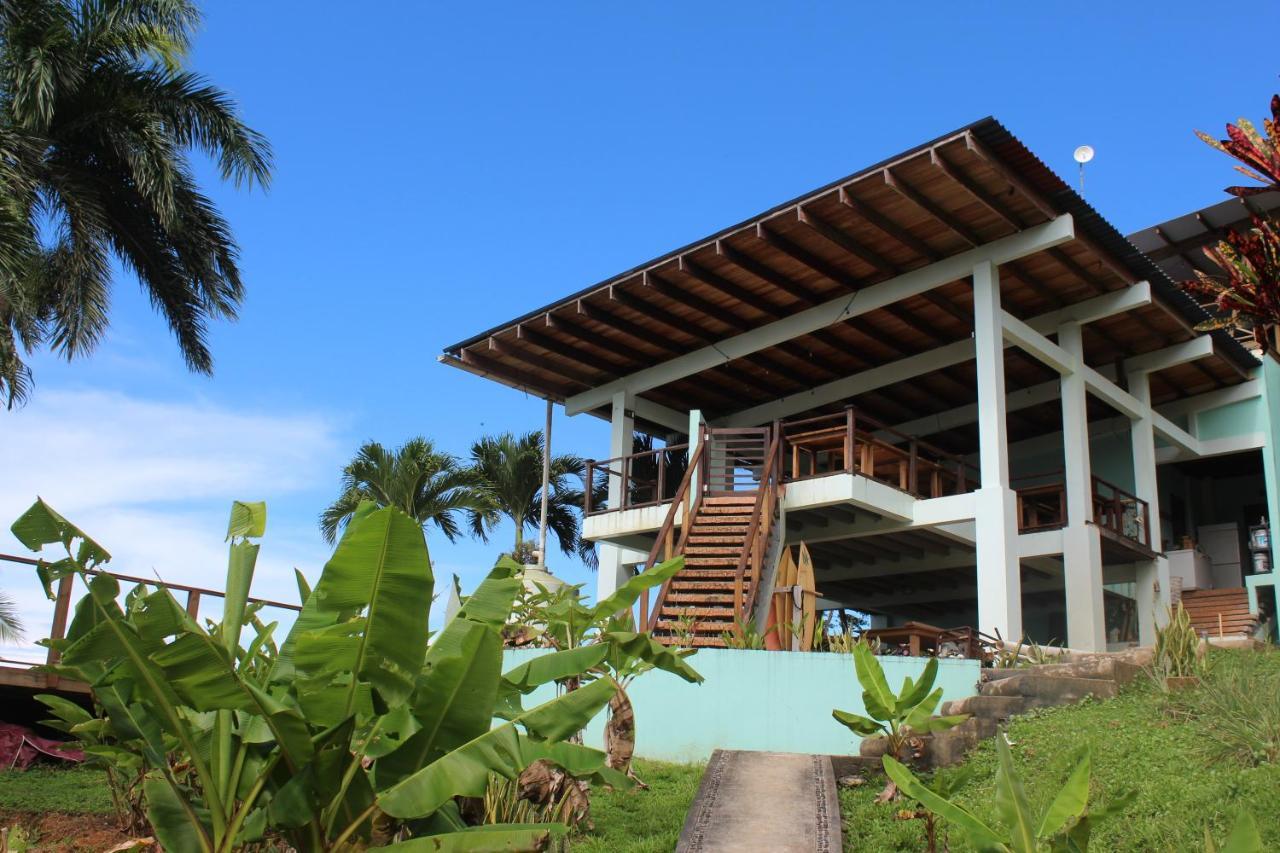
[974, 400]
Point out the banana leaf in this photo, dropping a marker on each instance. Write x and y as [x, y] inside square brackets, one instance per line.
[626, 595]
[465, 770]
[382, 566]
[979, 834]
[493, 838]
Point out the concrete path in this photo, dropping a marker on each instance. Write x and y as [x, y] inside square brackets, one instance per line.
[780, 802]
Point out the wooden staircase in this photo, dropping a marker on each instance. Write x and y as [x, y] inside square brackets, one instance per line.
[726, 506]
[699, 601]
[1220, 612]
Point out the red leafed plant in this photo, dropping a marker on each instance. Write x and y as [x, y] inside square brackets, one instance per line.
[1246, 292]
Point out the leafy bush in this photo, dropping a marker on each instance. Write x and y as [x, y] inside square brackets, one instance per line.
[352, 733]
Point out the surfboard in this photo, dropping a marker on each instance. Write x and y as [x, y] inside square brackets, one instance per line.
[783, 579]
[808, 598]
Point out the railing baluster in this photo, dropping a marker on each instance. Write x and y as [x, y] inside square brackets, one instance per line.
[193, 603]
[590, 487]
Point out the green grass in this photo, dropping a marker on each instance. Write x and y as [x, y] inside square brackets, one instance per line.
[75, 790]
[1141, 741]
[639, 821]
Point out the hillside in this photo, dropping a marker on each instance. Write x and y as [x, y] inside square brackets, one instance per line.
[1193, 758]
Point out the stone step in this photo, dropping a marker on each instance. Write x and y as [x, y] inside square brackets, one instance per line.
[986, 707]
[1042, 691]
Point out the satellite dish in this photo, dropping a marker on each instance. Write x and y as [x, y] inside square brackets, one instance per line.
[1083, 154]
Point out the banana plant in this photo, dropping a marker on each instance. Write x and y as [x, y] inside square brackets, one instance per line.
[353, 733]
[897, 716]
[597, 641]
[1064, 825]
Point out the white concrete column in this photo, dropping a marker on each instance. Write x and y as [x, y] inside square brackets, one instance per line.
[996, 522]
[1151, 577]
[1081, 542]
[695, 439]
[613, 566]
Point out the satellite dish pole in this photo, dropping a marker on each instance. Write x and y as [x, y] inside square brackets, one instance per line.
[1083, 155]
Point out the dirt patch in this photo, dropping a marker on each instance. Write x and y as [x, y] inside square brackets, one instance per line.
[59, 832]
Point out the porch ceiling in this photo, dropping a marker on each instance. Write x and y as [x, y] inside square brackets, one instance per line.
[962, 190]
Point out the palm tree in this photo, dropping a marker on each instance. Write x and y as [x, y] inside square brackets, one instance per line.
[428, 485]
[98, 121]
[508, 468]
[10, 624]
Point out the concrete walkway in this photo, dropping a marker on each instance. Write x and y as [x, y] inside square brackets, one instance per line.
[768, 801]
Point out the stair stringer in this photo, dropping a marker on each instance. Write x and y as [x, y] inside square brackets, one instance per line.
[769, 574]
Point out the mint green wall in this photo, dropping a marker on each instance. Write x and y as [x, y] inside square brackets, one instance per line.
[1243, 418]
[1270, 411]
[760, 700]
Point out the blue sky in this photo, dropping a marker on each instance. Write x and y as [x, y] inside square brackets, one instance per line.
[445, 167]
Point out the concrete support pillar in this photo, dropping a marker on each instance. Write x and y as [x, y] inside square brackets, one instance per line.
[695, 439]
[1151, 577]
[613, 569]
[1081, 542]
[996, 522]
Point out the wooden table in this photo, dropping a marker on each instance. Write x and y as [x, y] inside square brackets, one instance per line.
[918, 637]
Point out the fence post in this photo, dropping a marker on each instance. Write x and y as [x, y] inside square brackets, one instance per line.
[61, 607]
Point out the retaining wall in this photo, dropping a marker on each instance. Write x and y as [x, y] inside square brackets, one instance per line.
[760, 700]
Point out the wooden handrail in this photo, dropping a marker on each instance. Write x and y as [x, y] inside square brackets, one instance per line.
[758, 530]
[625, 472]
[662, 544]
[62, 601]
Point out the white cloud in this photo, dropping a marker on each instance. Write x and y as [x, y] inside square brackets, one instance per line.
[152, 482]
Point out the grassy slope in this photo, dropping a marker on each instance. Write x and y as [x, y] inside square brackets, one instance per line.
[75, 790]
[1138, 742]
[642, 821]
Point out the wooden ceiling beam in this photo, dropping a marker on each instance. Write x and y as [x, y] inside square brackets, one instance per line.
[589, 378]
[520, 379]
[680, 325]
[838, 238]
[710, 309]
[888, 227]
[973, 189]
[911, 194]
[525, 332]
[605, 347]
[806, 258]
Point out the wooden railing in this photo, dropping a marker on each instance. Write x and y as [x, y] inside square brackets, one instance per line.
[1042, 503]
[854, 443]
[759, 533]
[62, 601]
[1121, 512]
[646, 488]
[735, 458]
[1043, 506]
[685, 501]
